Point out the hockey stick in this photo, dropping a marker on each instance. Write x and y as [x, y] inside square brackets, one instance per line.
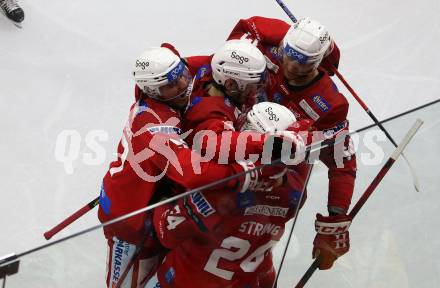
[69, 220]
[373, 117]
[92, 204]
[309, 149]
[295, 217]
[359, 100]
[370, 189]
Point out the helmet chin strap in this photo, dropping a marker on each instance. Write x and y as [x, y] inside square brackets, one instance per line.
[188, 93]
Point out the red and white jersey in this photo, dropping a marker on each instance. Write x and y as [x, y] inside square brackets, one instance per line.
[319, 101]
[151, 155]
[220, 239]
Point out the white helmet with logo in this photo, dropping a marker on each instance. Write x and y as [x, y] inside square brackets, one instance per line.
[156, 67]
[268, 117]
[239, 60]
[307, 41]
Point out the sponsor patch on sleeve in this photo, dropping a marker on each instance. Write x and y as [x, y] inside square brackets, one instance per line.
[309, 110]
[165, 129]
[196, 100]
[170, 275]
[104, 201]
[202, 205]
[205, 69]
[333, 131]
[141, 107]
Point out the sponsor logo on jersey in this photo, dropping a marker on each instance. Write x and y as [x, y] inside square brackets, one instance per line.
[245, 199]
[321, 103]
[170, 275]
[196, 100]
[274, 51]
[203, 70]
[239, 58]
[309, 110]
[284, 89]
[119, 250]
[331, 132]
[164, 129]
[202, 205]
[141, 107]
[272, 197]
[294, 197]
[277, 98]
[255, 30]
[193, 215]
[104, 201]
[266, 211]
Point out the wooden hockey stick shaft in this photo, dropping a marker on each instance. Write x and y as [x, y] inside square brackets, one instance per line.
[370, 189]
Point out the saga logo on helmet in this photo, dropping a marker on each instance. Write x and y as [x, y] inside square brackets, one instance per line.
[324, 38]
[272, 115]
[241, 59]
[141, 64]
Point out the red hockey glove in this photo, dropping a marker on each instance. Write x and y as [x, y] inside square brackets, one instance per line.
[331, 59]
[287, 145]
[263, 179]
[332, 239]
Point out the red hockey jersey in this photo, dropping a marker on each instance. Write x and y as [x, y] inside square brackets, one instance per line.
[150, 156]
[219, 116]
[319, 101]
[224, 239]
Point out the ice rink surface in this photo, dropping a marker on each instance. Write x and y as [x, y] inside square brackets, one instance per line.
[68, 72]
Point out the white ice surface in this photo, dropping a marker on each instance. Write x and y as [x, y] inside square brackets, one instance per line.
[69, 68]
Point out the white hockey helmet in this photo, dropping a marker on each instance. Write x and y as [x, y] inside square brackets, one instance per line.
[307, 41]
[268, 117]
[157, 67]
[239, 60]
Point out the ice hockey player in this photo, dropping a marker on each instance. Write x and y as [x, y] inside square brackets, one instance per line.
[225, 87]
[225, 239]
[299, 59]
[152, 159]
[12, 10]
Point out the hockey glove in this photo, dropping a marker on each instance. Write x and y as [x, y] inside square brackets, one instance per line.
[289, 145]
[263, 179]
[332, 239]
